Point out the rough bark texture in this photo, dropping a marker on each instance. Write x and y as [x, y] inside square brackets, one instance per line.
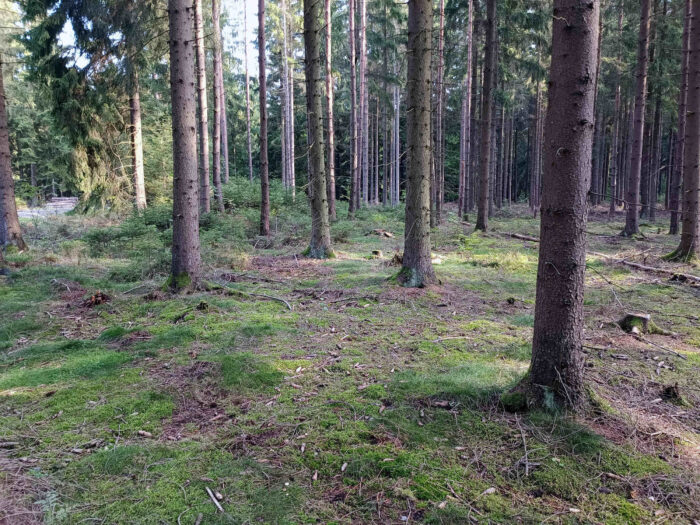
[330, 169]
[557, 362]
[262, 75]
[218, 103]
[417, 267]
[136, 139]
[354, 182]
[247, 92]
[439, 117]
[396, 164]
[204, 200]
[320, 244]
[674, 201]
[614, 171]
[634, 177]
[185, 249]
[689, 247]
[487, 116]
[10, 232]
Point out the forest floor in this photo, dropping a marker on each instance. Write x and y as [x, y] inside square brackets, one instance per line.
[305, 391]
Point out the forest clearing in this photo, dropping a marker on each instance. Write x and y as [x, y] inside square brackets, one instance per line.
[423, 262]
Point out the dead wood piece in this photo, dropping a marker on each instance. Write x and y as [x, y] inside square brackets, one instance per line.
[213, 498]
[381, 233]
[639, 323]
[675, 276]
[522, 237]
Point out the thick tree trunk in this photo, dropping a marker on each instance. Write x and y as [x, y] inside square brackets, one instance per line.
[136, 138]
[264, 175]
[320, 245]
[204, 200]
[354, 121]
[674, 201]
[417, 268]
[10, 232]
[689, 247]
[633, 190]
[218, 103]
[330, 169]
[185, 248]
[557, 361]
[487, 115]
[247, 91]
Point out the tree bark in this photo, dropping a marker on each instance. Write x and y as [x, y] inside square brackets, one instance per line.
[487, 116]
[330, 169]
[557, 361]
[465, 138]
[320, 245]
[204, 200]
[10, 232]
[354, 179]
[689, 246]
[633, 190]
[218, 103]
[136, 138]
[614, 164]
[247, 91]
[396, 195]
[674, 198]
[439, 116]
[364, 104]
[264, 175]
[417, 268]
[185, 248]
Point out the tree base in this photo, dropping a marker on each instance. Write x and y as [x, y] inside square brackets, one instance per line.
[180, 283]
[320, 252]
[681, 255]
[414, 278]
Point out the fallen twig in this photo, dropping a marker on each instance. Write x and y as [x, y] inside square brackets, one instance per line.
[279, 299]
[645, 268]
[657, 345]
[213, 498]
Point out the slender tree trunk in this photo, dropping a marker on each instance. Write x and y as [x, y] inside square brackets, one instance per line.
[417, 268]
[223, 111]
[397, 140]
[247, 92]
[218, 85]
[136, 138]
[204, 200]
[439, 154]
[487, 115]
[364, 114]
[674, 197]
[288, 98]
[320, 245]
[186, 261]
[10, 232]
[465, 136]
[354, 142]
[616, 122]
[655, 159]
[557, 359]
[689, 247]
[262, 75]
[330, 169]
[633, 190]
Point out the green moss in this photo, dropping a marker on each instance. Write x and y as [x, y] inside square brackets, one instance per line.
[178, 282]
[249, 372]
[513, 401]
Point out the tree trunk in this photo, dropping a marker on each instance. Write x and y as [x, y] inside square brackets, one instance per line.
[354, 143]
[320, 245]
[417, 268]
[10, 232]
[262, 75]
[330, 170]
[557, 361]
[364, 104]
[614, 164]
[487, 115]
[439, 115]
[674, 201]
[465, 128]
[397, 141]
[185, 248]
[633, 190]
[218, 102]
[689, 247]
[247, 92]
[204, 201]
[288, 99]
[136, 138]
